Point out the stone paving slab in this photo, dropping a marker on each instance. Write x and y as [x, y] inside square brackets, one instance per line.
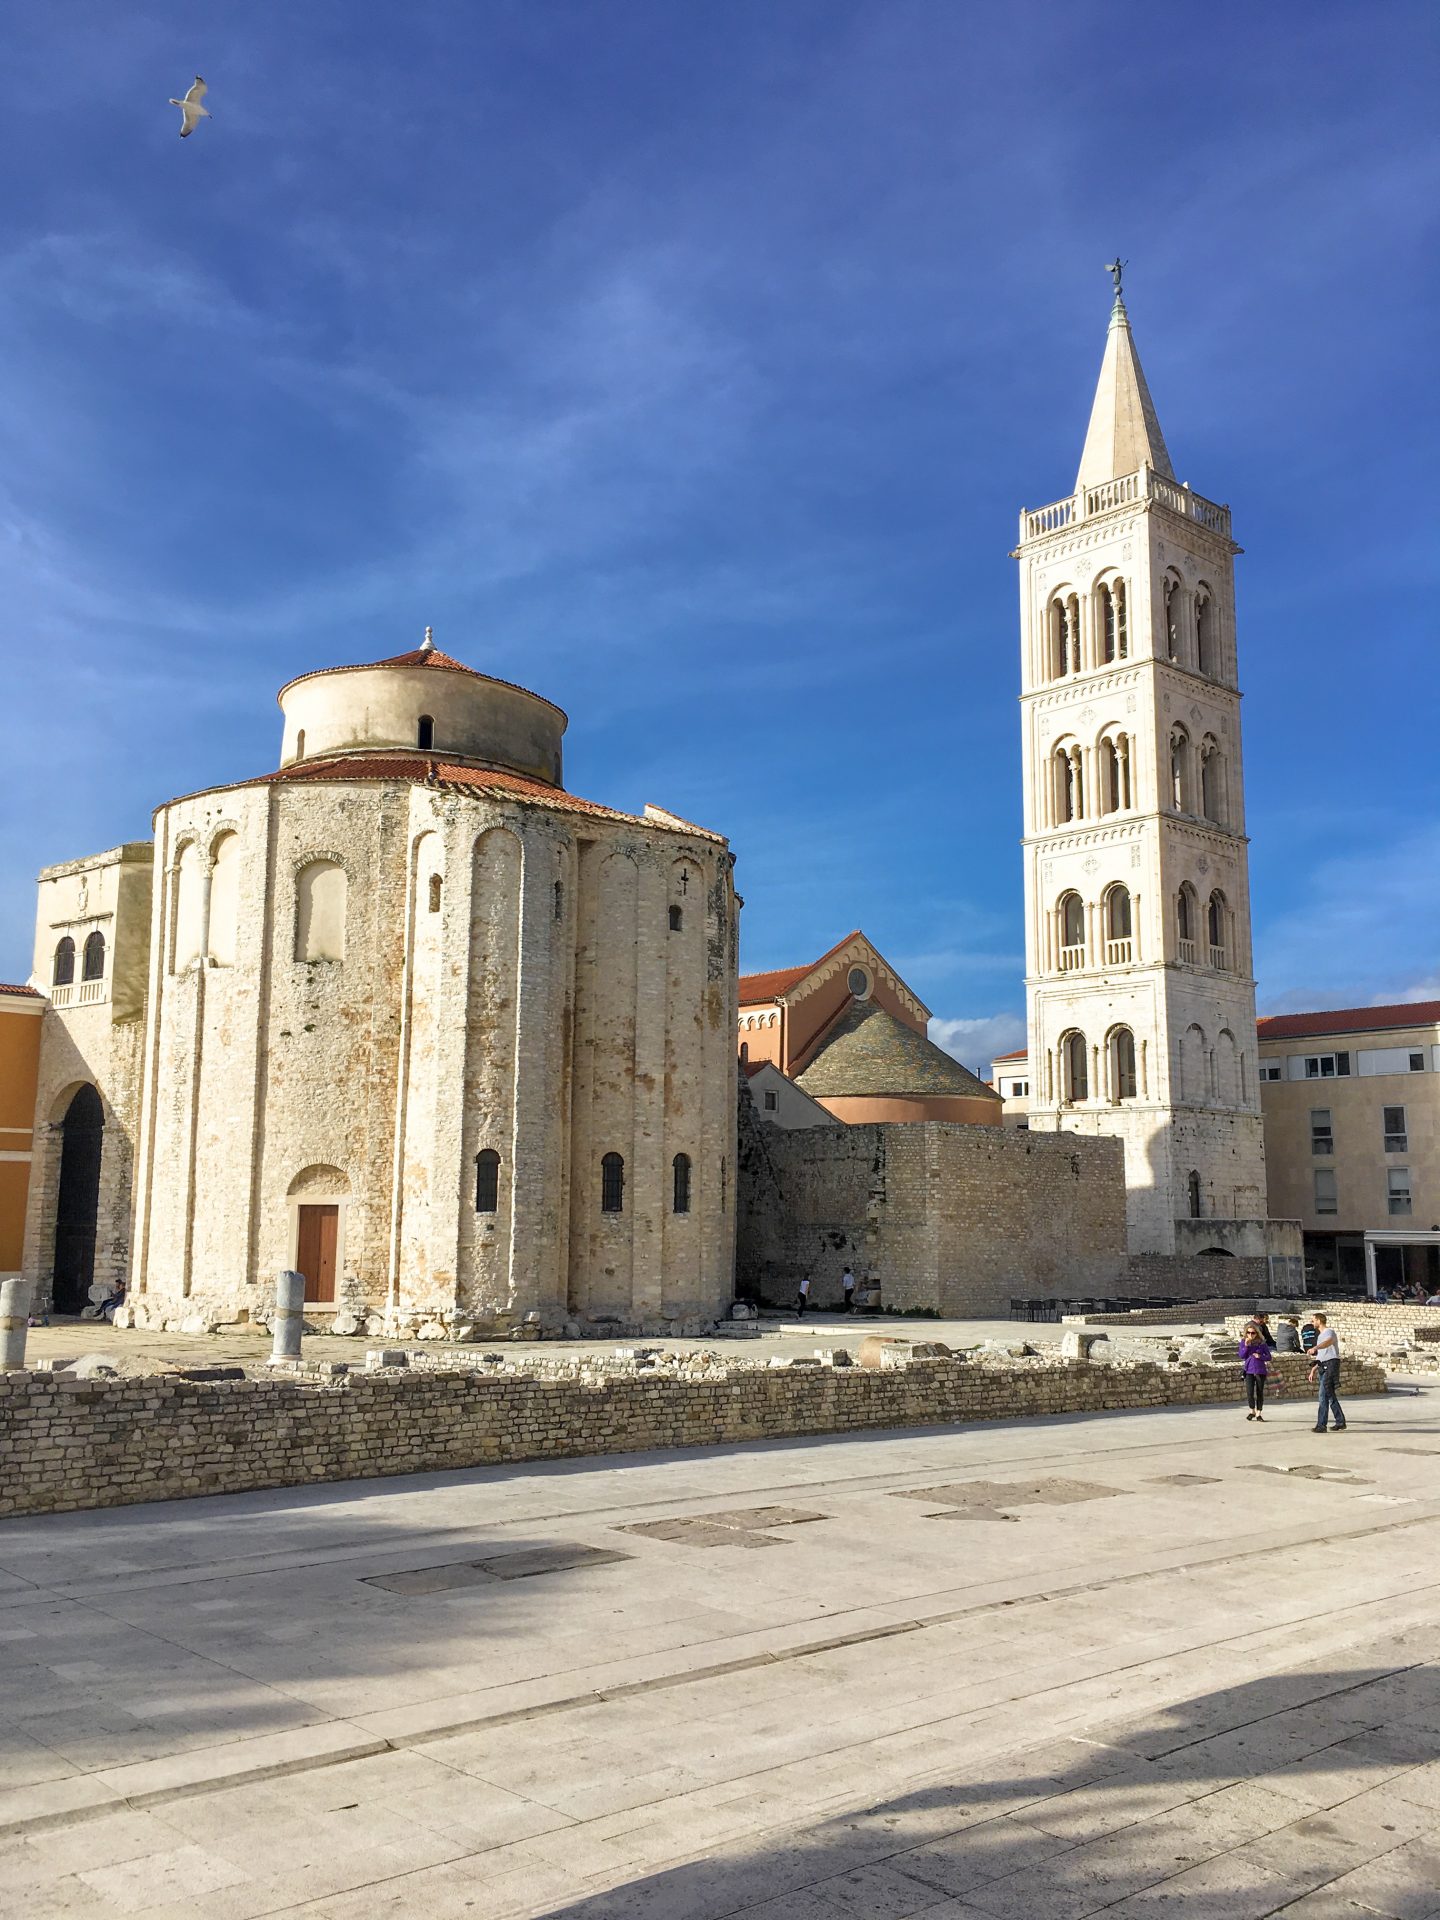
[1199, 1694]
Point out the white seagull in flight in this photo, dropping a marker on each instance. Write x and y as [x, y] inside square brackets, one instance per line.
[191, 111]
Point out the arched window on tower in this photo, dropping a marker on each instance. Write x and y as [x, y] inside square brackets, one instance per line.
[1193, 1186]
[92, 961]
[1207, 653]
[1217, 916]
[1114, 759]
[680, 1196]
[1119, 945]
[1186, 918]
[62, 973]
[437, 889]
[1110, 620]
[1212, 780]
[1072, 932]
[1075, 1069]
[612, 1183]
[1122, 619]
[320, 888]
[1069, 784]
[487, 1181]
[425, 732]
[1064, 635]
[1122, 1064]
[1180, 770]
[1173, 603]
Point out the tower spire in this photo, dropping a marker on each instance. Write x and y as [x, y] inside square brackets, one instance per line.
[1124, 433]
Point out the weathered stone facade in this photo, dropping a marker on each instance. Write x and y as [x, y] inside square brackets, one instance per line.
[68, 1443]
[957, 1218]
[419, 997]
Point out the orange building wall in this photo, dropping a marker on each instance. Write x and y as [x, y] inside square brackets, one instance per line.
[813, 1012]
[19, 1070]
[858, 1111]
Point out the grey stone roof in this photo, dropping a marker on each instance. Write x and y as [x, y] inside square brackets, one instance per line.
[868, 1052]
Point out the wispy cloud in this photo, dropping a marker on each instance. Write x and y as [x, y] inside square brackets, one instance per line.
[975, 1043]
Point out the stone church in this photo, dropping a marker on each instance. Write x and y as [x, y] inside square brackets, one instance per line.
[403, 1015]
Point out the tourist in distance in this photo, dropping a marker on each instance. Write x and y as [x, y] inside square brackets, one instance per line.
[1327, 1371]
[847, 1287]
[1309, 1334]
[1255, 1356]
[804, 1296]
[1287, 1335]
[1382, 1296]
[1262, 1321]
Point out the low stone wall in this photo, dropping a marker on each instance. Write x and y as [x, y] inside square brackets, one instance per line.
[1190, 1313]
[68, 1443]
[1370, 1331]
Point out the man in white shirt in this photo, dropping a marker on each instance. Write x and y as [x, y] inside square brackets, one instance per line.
[847, 1287]
[804, 1296]
[1326, 1368]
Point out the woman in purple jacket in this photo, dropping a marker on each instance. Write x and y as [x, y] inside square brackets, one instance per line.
[1255, 1355]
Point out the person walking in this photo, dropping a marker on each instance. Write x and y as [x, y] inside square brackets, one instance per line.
[847, 1286]
[1326, 1369]
[1255, 1356]
[804, 1296]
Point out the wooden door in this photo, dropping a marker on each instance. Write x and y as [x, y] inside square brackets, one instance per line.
[315, 1253]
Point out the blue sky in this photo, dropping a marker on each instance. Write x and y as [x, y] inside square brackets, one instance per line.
[690, 364]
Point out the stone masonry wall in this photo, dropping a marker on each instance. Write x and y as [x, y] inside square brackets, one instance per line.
[960, 1219]
[68, 1443]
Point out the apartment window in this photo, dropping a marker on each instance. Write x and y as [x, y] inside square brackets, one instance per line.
[1327, 1198]
[1417, 1063]
[1397, 1135]
[772, 1100]
[1397, 1179]
[1322, 1134]
[1325, 1066]
[1271, 1070]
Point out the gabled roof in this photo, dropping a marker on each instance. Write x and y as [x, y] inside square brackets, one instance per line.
[869, 1053]
[1303, 1026]
[1124, 432]
[756, 988]
[1020, 1053]
[24, 993]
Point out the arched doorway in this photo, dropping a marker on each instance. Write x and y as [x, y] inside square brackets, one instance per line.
[78, 1202]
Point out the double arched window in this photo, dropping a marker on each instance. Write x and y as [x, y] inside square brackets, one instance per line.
[612, 1183]
[62, 973]
[487, 1181]
[680, 1172]
[1074, 1069]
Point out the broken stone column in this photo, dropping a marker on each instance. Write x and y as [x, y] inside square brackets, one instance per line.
[289, 1316]
[14, 1321]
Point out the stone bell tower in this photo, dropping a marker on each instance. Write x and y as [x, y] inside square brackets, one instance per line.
[1141, 1002]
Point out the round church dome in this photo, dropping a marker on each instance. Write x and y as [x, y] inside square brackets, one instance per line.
[425, 701]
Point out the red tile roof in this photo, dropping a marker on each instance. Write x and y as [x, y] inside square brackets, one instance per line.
[1020, 1053]
[26, 993]
[425, 770]
[757, 987]
[1300, 1026]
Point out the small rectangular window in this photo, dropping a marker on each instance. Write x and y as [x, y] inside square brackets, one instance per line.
[1397, 1138]
[1342, 1063]
[1270, 1070]
[1397, 1180]
[1326, 1195]
[1322, 1136]
[1417, 1063]
[772, 1100]
[1325, 1066]
[675, 919]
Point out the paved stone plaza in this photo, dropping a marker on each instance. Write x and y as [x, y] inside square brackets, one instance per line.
[1117, 1664]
